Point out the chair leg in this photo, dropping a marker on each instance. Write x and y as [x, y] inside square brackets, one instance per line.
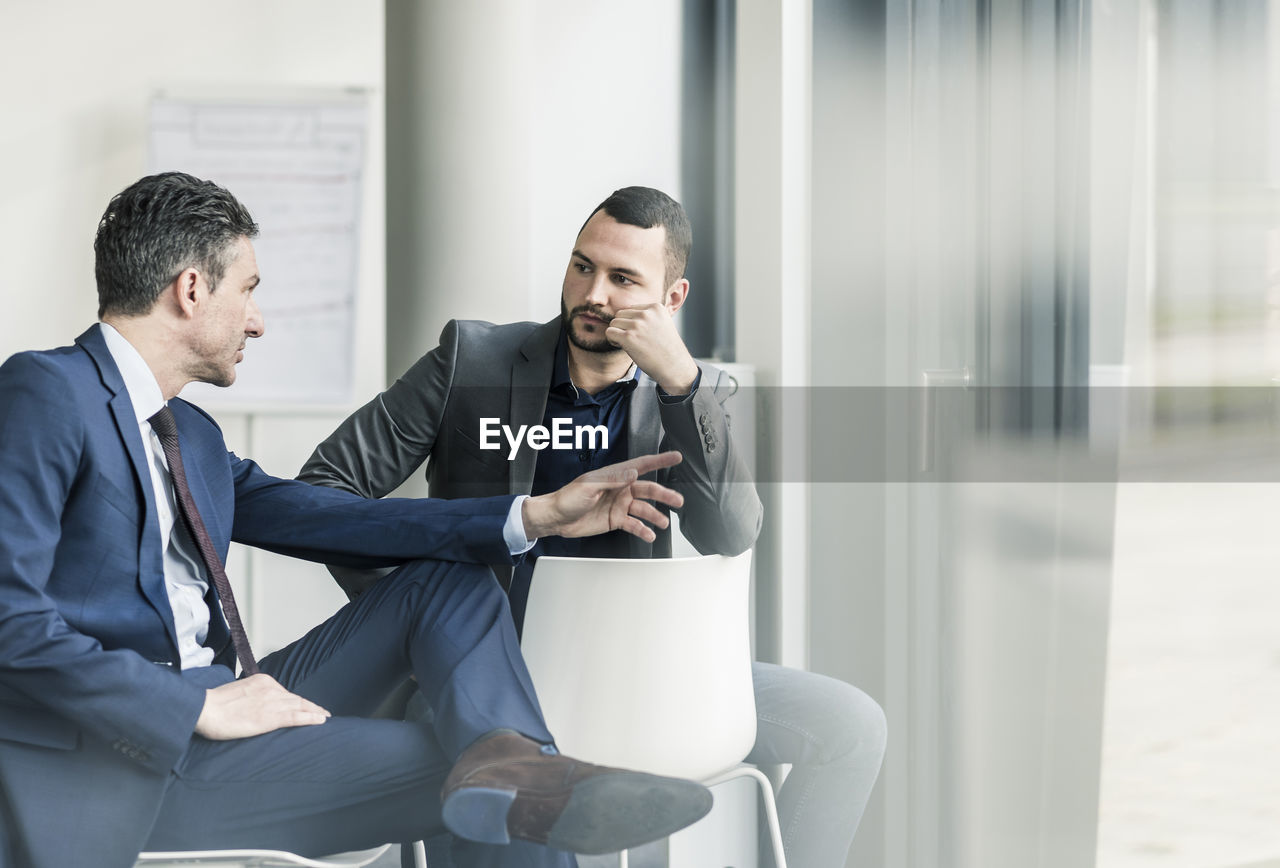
[771, 813]
[622, 859]
[770, 806]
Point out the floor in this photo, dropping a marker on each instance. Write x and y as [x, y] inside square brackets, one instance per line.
[1191, 766]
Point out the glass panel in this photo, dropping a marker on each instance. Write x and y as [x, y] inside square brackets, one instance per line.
[1189, 771]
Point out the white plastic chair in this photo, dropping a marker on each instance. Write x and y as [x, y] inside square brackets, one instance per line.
[258, 859]
[269, 858]
[646, 664]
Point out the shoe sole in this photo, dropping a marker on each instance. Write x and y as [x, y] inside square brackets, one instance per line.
[479, 814]
[604, 814]
[617, 812]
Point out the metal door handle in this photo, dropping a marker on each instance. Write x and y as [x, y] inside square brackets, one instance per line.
[933, 379]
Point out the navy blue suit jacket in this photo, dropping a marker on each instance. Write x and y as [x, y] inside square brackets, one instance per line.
[94, 708]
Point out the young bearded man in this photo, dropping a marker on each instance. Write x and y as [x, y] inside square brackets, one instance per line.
[611, 378]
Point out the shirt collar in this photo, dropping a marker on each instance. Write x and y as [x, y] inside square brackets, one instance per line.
[560, 378]
[144, 389]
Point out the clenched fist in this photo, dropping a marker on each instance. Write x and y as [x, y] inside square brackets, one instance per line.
[648, 335]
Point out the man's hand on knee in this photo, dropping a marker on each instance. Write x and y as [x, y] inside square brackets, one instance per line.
[253, 706]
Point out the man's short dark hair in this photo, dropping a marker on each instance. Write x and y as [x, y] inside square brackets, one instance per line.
[646, 207]
[155, 228]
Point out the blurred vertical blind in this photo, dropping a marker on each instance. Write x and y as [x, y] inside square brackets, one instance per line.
[706, 175]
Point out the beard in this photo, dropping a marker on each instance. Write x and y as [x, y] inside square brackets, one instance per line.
[589, 343]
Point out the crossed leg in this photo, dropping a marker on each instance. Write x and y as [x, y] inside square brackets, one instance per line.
[353, 782]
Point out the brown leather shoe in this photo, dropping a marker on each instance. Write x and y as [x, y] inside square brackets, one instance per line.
[508, 786]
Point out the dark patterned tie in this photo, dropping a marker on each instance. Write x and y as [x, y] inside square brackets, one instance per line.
[167, 430]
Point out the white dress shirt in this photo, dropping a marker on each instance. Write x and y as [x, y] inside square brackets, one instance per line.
[184, 574]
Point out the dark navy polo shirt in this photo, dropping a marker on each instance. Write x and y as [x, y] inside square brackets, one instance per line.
[556, 468]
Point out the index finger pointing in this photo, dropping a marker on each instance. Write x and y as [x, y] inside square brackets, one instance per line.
[649, 463]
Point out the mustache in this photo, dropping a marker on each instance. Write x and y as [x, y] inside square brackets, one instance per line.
[592, 310]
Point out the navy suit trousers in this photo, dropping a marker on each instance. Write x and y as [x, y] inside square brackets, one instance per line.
[355, 782]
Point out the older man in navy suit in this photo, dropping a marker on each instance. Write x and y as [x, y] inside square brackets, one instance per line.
[122, 726]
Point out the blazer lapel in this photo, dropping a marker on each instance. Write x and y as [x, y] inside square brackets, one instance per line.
[530, 379]
[644, 427]
[150, 551]
[644, 437]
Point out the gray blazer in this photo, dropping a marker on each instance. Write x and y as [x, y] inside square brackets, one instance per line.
[432, 414]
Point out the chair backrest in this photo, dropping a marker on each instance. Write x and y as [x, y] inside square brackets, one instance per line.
[644, 664]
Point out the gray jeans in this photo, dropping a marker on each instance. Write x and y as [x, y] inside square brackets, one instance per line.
[833, 735]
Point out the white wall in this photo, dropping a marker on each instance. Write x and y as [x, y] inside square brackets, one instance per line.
[529, 114]
[606, 115]
[75, 81]
[509, 121]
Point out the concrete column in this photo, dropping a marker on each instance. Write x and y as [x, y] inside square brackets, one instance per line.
[459, 91]
[772, 311]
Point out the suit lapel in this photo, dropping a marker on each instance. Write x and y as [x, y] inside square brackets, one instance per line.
[644, 437]
[150, 553]
[644, 427]
[530, 379]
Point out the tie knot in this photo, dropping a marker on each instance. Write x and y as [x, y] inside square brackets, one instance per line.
[163, 423]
